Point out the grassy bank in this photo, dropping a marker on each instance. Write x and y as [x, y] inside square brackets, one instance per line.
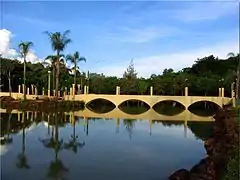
[43, 105]
[233, 166]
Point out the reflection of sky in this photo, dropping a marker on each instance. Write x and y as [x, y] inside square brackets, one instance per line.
[108, 155]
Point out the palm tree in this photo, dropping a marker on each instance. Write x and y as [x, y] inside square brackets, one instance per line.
[231, 54]
[58, 42]
[24, 48]
[52, 64]
[75, 58]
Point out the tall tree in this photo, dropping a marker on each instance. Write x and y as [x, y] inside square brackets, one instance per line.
[6, 69]
[59, 42]
[75, 58]
[24, 48]
[130, 84]
[232, 55]
[52, 64]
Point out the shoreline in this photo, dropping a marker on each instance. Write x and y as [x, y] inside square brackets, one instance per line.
[44, 105]
[220, 147]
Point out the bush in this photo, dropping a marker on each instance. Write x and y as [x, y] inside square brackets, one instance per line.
[232, 170]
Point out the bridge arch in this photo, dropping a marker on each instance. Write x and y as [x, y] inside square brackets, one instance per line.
[169, 100]
[133, 99]
[215, 102]
[99, 98]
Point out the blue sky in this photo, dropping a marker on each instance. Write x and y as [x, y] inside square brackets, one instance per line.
[157, 35]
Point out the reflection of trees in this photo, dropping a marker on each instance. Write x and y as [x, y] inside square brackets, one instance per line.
[73, 144]
[201, 130]
[169, 108]
[100, 106]
[172, 123]
[7, 139]
[56, 167]
[22, 158]
[129, 124]
[133, 108]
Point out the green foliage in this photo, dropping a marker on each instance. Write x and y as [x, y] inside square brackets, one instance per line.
[233, 166]
[203, 78]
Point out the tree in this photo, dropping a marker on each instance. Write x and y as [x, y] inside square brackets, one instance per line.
[129, 81]
[58, 42]
[232, 55]
[75, 58]
[24, 48]
[51, 61]
[6, 69]
[130, 73]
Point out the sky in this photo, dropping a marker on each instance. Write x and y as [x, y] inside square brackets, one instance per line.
[155, 34]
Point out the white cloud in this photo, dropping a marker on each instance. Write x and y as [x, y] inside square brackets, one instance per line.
[7, 52]
[206, 11]
[146, 34]
[5, 38]
[139, 35]
[146, 66]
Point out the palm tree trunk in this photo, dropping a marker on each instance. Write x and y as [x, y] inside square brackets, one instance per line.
[24, 79]
[75, 68]
[9, 83]
[57, 74]
[54, 75]
[237, 83]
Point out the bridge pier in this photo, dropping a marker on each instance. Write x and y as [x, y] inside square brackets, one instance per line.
[23, 88]
[19, 88]
[28, 91]
[219, 92]
[222, 92]
[36, 93]
[117, 90]
[151, 91]
[32, 89]
[186, 91]
[73, 88]
[78, 87]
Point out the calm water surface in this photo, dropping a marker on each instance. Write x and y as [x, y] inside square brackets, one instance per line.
[40, 146]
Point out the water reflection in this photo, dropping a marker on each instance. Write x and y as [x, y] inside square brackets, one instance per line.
[78, 134]
[73, 143]
[22, 161]
[56, 168]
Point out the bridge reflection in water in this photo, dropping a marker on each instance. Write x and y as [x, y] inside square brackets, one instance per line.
[150, 115]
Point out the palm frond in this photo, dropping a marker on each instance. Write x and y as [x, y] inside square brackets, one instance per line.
[70, 58]
[231, 54]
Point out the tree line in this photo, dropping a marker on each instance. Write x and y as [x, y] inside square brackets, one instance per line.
[203, 78]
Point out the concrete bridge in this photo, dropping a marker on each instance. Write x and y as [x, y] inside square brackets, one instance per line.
[118, 99]
[150, 100]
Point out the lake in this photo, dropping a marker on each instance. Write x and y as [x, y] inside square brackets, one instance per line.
[73, 146]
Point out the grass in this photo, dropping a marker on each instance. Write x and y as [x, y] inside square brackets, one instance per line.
[233, 166]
